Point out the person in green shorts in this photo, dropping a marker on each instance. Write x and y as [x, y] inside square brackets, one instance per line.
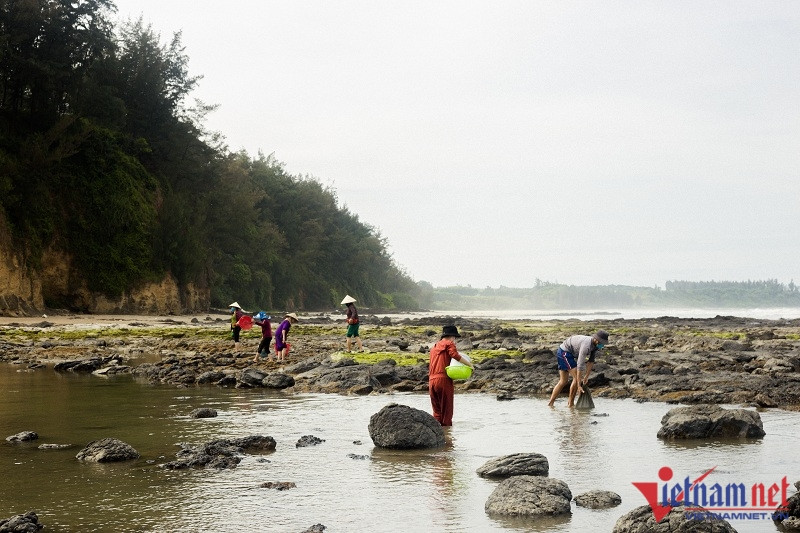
[352, 323]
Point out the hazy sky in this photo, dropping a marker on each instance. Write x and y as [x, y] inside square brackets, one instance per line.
[494, 143]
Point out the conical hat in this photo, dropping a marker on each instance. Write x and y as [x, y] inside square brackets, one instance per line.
[348, 300]
[235, 304]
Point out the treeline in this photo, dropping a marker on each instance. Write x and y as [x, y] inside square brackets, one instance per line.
[101, 156]
[545, 295]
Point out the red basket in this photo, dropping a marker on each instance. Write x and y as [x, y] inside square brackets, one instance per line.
[246, 322]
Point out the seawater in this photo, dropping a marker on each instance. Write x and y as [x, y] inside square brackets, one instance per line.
[393, 491]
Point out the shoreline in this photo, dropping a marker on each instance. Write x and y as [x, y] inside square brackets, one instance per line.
[731, 360]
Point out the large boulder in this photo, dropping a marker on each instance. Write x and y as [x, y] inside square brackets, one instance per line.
[529, 496]
[107, 450]
[710, 421]
[641, 520]
[516, 464]
[403, 427]
[21, 523]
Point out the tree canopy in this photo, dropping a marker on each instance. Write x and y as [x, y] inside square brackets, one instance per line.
[101, 156]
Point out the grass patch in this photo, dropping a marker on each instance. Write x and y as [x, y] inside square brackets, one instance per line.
[406, 359]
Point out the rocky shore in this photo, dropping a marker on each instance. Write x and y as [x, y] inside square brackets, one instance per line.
[710, 361]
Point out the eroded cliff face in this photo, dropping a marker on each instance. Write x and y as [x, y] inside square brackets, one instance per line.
[19, 293]
[25, 291]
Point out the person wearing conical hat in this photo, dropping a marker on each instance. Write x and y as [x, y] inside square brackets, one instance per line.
[586, 348]
[236, 314]
[440, 386]
[352, 322]
[281, 334]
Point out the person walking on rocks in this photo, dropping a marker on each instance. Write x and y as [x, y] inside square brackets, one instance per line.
[282, 334]
[236, 314]
[586, 347]
[440, 386]
[262, 319]
[352, 322]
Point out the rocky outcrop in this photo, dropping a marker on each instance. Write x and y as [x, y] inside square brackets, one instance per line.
[598, 499]
[710, 421]
[530, 496]
[107, 450]
[403, 427]
[789, 518]
[641, 520]
[517, 464]
[220, 454]
[21, 523]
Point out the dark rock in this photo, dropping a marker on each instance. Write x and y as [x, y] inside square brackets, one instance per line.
[308, 440]
[106, 451]
[504, 396]
[598, 499]
[316, 528]
[23, 436]
[529, 496]
[403, 427]
[355, 456]
[210, 377]
[641, 520]
[227, 381]
[251, 377]
[710, 421]
[21, 523]
[517, 464]
[261, 443]
[343, 362]
[203, 412]
[277, 381]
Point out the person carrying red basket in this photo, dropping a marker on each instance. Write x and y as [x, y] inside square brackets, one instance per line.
[281, 334]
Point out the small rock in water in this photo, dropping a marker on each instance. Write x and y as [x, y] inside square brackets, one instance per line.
[354, 456]
[278, 485]
[54, 446]
[203, 412]
[308, 440]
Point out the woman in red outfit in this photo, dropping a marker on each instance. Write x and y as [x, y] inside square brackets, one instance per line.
[440, 386]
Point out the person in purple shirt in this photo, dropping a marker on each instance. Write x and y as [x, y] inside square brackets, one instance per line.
[281, 334]
[586, 348]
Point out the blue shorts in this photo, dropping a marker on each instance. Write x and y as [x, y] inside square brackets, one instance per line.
[566, 361]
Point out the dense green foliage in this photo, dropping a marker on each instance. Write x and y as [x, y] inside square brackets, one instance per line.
[101, 157]
[553, 296]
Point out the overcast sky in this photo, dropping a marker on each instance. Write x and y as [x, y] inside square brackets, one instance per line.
[494, 143]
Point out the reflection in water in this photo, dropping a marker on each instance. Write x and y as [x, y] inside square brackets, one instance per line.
[390, 491]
